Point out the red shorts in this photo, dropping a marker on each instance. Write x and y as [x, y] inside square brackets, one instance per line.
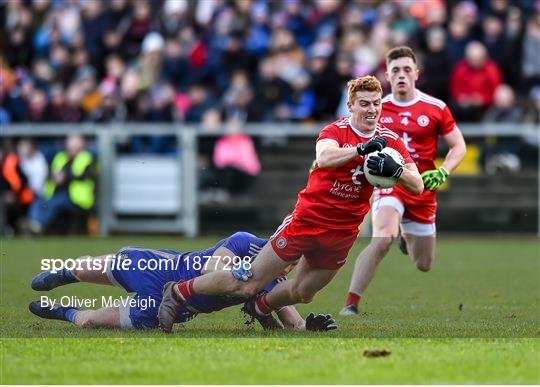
[417, 208]
[323, 248]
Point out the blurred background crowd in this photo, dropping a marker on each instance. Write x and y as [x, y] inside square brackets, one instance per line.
[210, 60]
[222, 63]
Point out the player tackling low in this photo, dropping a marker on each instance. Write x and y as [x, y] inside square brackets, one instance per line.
[419, 120]
[144, 271]
[324, 224]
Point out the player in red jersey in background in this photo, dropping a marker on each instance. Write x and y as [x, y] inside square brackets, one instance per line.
[320, 231]
[419, 120]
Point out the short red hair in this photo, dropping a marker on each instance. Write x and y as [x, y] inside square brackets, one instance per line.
[366, 83]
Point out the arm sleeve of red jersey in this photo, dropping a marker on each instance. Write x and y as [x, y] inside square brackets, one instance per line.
[400, 147]
[447, 122]
[330, 132]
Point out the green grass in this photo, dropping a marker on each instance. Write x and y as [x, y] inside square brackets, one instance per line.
[492, 338]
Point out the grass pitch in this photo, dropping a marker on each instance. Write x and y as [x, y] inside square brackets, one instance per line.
[473, 319]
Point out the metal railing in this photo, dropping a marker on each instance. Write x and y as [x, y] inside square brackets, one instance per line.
[187, 139]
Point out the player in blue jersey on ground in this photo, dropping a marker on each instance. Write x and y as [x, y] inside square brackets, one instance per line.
[145, 271]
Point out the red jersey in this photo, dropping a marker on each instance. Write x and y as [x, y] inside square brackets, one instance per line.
[338, 198]
[419, 123]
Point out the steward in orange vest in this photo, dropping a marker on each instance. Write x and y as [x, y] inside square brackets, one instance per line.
[16, 180]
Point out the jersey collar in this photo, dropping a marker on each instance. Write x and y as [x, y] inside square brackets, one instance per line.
[408, 103]
[363, 134]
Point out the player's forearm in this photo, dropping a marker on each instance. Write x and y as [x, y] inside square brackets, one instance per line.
[332, 157]
[291, 319]
[454, 157]
[457, 149]
[412, 181]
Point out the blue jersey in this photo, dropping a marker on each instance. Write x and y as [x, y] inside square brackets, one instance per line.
[178, 266]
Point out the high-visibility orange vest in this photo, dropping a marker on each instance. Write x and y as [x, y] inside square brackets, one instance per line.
[12, 176]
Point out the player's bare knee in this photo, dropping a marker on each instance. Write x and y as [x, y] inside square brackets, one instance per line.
[423, 266]
[424, 263]
[382, 243]
[303, 295]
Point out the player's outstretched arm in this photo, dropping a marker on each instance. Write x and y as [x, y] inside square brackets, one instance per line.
[291, 319]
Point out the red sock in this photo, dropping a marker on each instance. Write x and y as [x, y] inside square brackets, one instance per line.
[262, 307]
[352, 299]
[184, 290]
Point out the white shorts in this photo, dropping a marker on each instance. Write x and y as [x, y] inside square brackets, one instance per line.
[406, 226]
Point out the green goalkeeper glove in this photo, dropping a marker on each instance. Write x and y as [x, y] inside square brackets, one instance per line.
[434, 178]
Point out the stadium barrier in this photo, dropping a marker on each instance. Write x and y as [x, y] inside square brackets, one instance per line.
[126, 205]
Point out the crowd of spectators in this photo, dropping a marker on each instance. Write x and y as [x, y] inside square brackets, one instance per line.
[252, 60]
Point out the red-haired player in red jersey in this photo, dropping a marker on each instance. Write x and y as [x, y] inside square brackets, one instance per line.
[419, 120]
[320, 231]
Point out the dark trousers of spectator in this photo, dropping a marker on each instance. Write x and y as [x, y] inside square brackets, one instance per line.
[46, 211]
[11, 215]
[230, 179]
[35, 208]
[234, 180]
[467, 114]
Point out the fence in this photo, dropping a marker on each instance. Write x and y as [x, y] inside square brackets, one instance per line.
[176, 210]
